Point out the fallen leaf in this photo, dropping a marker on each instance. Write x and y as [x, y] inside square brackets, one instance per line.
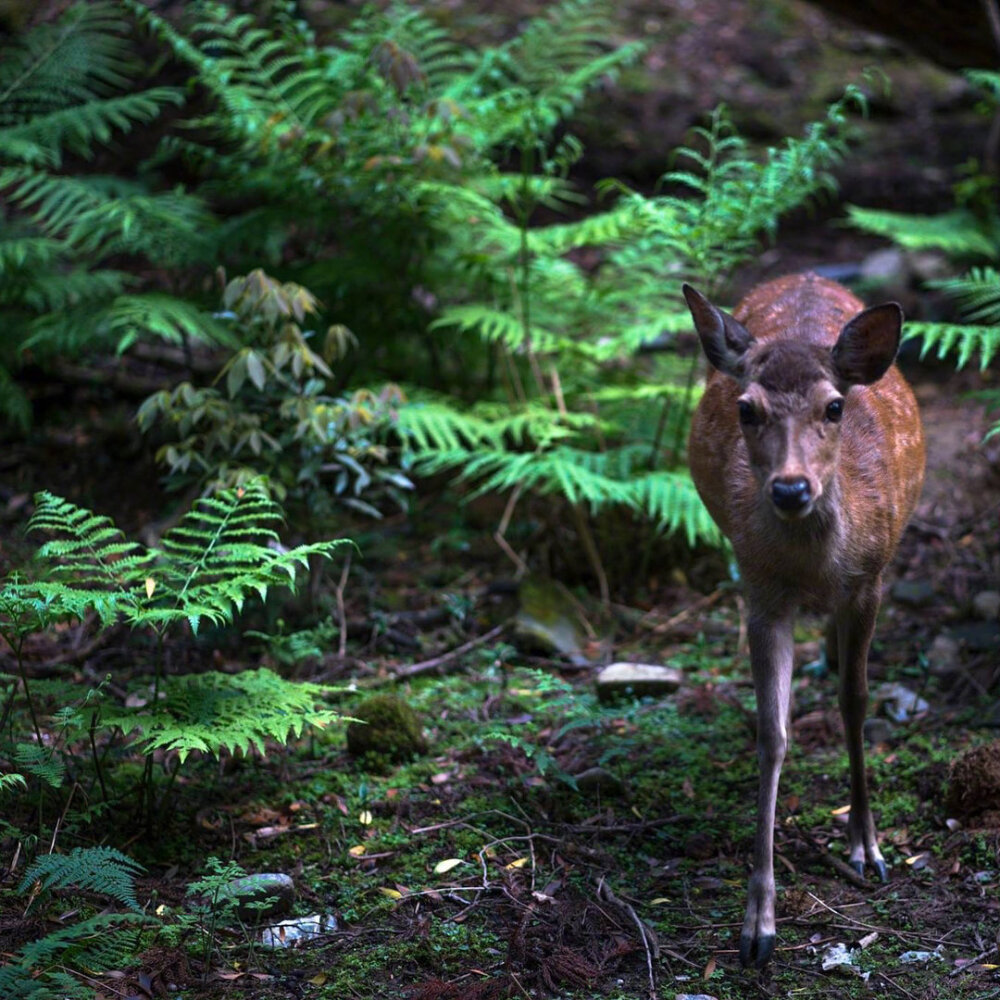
[519, 863]
[391, 893]
[709, 968]
[365, 817]
[150, 586]
[446, 866]
[356, 851]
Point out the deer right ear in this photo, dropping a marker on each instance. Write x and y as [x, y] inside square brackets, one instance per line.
[723, 339]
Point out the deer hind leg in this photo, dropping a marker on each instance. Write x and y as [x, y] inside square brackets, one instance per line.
[771, 661]
[855, 624]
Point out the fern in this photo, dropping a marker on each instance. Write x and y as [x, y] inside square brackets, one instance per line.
[66, 89]
[103, 870]
[43, 969]
[959, 232]
[213, 712]
[221, 551]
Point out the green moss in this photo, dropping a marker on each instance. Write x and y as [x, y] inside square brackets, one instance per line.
[388, 733]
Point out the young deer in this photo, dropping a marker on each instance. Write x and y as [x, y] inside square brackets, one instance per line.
[808, 452]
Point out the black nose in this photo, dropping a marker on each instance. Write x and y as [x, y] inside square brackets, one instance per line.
[790, 494]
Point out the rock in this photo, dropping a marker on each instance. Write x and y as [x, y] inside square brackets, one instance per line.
[888, 269]
[388, 730]
[549, 619]
[637, 680]
[877, 731]
[262, 896]
[599, 782]
[693, 996]
[986, 605]
[913, 593]
[974, 782]
[899, 702]
[943, 657]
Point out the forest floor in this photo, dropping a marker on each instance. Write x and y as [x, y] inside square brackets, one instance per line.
[544, 843]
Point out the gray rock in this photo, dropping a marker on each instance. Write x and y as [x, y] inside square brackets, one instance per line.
[637, 680]
[274, 890]
[913, 593]
[986, 605]
[887, 268]
[943, 657]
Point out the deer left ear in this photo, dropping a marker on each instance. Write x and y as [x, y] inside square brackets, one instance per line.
[868, 344]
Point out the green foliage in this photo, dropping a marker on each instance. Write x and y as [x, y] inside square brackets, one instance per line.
[968, 233]
[276, 417]
[93, 869]
[221, 551]
[44, 969]
[214, 712]
[66, 89]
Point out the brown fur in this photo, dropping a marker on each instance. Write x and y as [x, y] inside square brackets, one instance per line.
[814, 505]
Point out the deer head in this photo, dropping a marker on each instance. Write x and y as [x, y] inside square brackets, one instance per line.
[795, 394]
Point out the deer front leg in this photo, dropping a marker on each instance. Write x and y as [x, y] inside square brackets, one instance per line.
[771, 662]
[855, 624]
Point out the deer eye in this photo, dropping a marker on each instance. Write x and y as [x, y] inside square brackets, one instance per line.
[834, 410]
[748, 415]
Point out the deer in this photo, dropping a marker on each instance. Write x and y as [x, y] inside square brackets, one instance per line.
[808, 451]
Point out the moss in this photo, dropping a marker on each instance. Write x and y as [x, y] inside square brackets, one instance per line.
[389, 731]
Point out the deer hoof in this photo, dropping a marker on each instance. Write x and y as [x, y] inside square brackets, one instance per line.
[859, 867]
[883, 871]
[756, 950]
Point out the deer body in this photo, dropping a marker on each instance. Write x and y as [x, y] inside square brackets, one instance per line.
[808, 452]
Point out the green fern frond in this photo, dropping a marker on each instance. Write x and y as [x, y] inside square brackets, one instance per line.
[978, 294]
[80, 58]
[89, 552]
[92, 869]
[41, 970]
[43, 138]
[437, 426]
[40, 762]
[212, 713]
[671, 500]
[222, 550]
[957, 232]
[963, 341]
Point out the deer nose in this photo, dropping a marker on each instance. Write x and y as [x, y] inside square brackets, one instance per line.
[791, 494]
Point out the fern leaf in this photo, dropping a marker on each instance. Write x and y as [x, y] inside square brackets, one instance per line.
[214, 713]
[963, 341]
[958, 232]
[93, 869]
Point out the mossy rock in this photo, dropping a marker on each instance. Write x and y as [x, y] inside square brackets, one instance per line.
[389, 731]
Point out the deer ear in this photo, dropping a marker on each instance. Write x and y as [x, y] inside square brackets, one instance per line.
[868, 344]
[723, 339]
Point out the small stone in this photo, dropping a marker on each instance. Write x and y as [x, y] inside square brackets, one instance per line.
[986, 605]
[886, 268]
[597, 781]
[694, 996]
[943, 657]
[262, 896]
[637, 680]
[292, 932]
[913, 593]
